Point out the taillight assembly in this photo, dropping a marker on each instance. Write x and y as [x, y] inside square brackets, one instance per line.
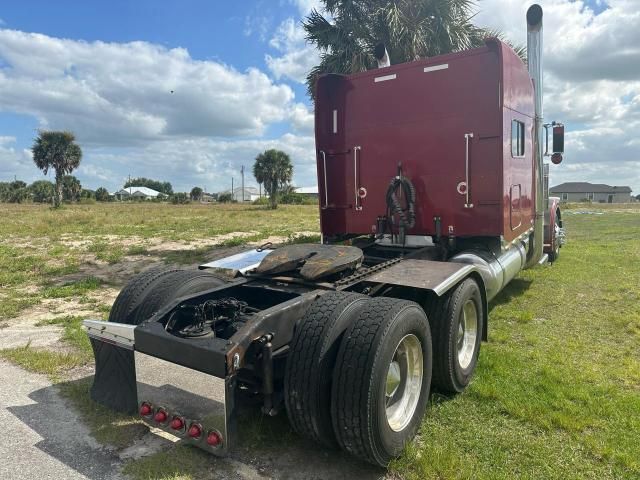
[195, 431]
[214, 439]
[160, 416]
[177, 423]
[145, 409]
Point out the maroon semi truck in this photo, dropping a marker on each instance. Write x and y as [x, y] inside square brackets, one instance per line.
[432, 198]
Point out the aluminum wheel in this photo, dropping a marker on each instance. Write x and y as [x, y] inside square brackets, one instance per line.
[404, 382]
[467, 333]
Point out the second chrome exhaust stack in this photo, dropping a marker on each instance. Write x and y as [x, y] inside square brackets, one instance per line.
[534, 61]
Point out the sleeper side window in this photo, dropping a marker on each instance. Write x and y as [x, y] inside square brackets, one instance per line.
[517, 139]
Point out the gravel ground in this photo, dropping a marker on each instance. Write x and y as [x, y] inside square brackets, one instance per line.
[42, 437]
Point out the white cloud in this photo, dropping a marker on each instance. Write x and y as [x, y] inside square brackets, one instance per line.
[110, 93]
[197, 161]
[302, 119]
[15, 162]
[305, 6]
[297, 57]
[592, 82]
[117, 99]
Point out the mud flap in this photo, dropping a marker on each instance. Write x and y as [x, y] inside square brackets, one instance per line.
[114, 383]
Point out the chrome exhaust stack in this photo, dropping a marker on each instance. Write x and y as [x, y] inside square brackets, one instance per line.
[534, 61]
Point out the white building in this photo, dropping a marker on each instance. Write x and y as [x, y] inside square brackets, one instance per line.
[138, 192]
[249, 195]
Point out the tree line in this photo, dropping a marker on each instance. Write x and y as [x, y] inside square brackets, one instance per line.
[44, 191]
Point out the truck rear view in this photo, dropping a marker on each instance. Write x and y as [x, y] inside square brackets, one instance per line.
[432, 199]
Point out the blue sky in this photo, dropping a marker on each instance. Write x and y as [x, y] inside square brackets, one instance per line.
[106, 70]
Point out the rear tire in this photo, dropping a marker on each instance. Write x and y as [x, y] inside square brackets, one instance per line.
[149, 291]
[309, 368]
[114, 383]
[125, 308]
[381, 380]
[457, 321]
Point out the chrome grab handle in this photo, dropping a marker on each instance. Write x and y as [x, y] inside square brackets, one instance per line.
[355, 177]
[326, 187]
[467, 136]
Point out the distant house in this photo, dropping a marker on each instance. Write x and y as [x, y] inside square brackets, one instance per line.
[208, 197]
[144, 193]
[308, 191]
[591, 192]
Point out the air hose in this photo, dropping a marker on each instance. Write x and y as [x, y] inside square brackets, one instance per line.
[406, 216]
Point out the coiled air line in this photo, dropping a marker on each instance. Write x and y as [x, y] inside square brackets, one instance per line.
[406, 217]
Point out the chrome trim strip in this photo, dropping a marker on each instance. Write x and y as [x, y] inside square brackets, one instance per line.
[435, 68]
[384, 78]
[119, 334]
[355, 177]
[467, 136]
[324, 171]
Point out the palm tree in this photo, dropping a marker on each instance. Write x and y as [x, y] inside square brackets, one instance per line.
[410, 29]
[59, 151]
[273, 169]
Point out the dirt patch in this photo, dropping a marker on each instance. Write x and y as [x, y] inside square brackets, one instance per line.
[159, 245]
[114, 274]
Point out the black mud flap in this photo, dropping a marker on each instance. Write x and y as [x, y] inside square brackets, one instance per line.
[114, 383]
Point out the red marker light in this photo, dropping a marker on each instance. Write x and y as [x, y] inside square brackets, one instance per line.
[177, 423]
[195, 431]
[214, 439]
[160, 416]
[145, 410]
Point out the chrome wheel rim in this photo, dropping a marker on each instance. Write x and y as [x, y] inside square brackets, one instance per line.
[404, 382]
[467, 333]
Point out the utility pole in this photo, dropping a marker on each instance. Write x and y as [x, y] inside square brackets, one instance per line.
[242, 173]
[233, 197]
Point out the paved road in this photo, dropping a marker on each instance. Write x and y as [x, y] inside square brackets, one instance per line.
[41, 438]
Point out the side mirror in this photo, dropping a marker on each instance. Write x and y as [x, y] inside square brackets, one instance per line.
[557, 138]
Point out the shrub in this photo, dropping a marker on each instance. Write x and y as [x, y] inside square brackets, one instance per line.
[225, 198]
[179, 198]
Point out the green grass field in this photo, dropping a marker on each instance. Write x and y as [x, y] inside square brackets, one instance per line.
[557, 391]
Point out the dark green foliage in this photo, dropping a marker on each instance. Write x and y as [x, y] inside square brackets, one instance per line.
[59, 151]
[410, 30]
[298, 199]
[158, 186]
[179, 198]
[225, 197]
[274, 170]
[14, 192]
[42, 191]
[71, 188]
[102, 195]
[196, 194]
[87, 193]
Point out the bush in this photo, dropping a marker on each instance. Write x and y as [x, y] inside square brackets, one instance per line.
[102, 195]
[179, 198]
[225, 198]
[42, 191]
[14, 192]
[261, 201]
[298, 199]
